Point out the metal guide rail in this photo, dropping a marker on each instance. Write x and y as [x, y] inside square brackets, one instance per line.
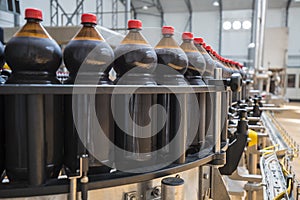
[278, 179]
[279, 136]
[107, 180]
[273, 178]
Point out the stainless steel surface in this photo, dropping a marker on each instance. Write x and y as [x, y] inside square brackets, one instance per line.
[172, 192]
[118, 193]
[257, 27]
[262, 31]
[273, 177]
[73, 189]
[274, 134]
[219, 190]
[217, 113]
[205, 182]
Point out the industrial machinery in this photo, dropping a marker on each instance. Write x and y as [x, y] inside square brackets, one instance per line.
[235, 132]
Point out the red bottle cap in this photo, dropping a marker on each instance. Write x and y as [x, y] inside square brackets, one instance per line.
[88, 18]
[168, 30]
[134, 24]
[33, 13]
[198, 40]
[240, 65]
[187, 36]
[208, 48]
[204, 45]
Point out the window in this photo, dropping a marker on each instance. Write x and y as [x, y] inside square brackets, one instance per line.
[3, 5]
[10, 5]
[291, 82]
[17, 4]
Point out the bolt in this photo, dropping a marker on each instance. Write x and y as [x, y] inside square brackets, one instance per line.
[133, 198]
[206, 176]
[156, 192]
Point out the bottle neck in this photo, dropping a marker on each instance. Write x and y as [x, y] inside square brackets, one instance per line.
[167, 35]
[32, 20]
[89, 25]
[187, 41]
[134, 30]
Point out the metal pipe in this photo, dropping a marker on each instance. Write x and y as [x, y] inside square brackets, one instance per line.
[288, 4]
[127, 11]
[262, 31]
[172, 188]
[220, 25]
[257, 32]
[73, 188]
[217, 113]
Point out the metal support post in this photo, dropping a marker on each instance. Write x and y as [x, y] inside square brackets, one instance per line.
[99, 11]
[114, 15]
[217, 113]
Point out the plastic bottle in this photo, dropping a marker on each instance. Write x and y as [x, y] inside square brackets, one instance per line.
[196, 66]
[34, 123]
[135, 61]
[172, 61]
[172, 64]
[226, 72]
[88, 55]
[194, 73]
[88, 58]
[32, 54]
[210, 64]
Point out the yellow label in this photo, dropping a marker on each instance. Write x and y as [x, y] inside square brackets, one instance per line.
[253, 136]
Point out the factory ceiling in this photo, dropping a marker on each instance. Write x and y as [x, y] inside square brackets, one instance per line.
[150, 6]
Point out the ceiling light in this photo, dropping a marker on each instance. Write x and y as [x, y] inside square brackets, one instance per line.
[246, 24]
[216, 3]
[236, 25]
[145, 7]
[227, 25]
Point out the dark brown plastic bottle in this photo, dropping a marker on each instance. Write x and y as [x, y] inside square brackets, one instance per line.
[194, 73]
[34, 123]
[135, 61]
[226, 72]
[196, 65]
[88, 58]
[210, 64]
[88, 55]
[172, 64]
[32, 54]
[172, 61]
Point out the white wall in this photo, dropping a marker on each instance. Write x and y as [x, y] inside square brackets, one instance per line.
[204, 24]
[235, 42]
[294, 37]
[6, 19]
